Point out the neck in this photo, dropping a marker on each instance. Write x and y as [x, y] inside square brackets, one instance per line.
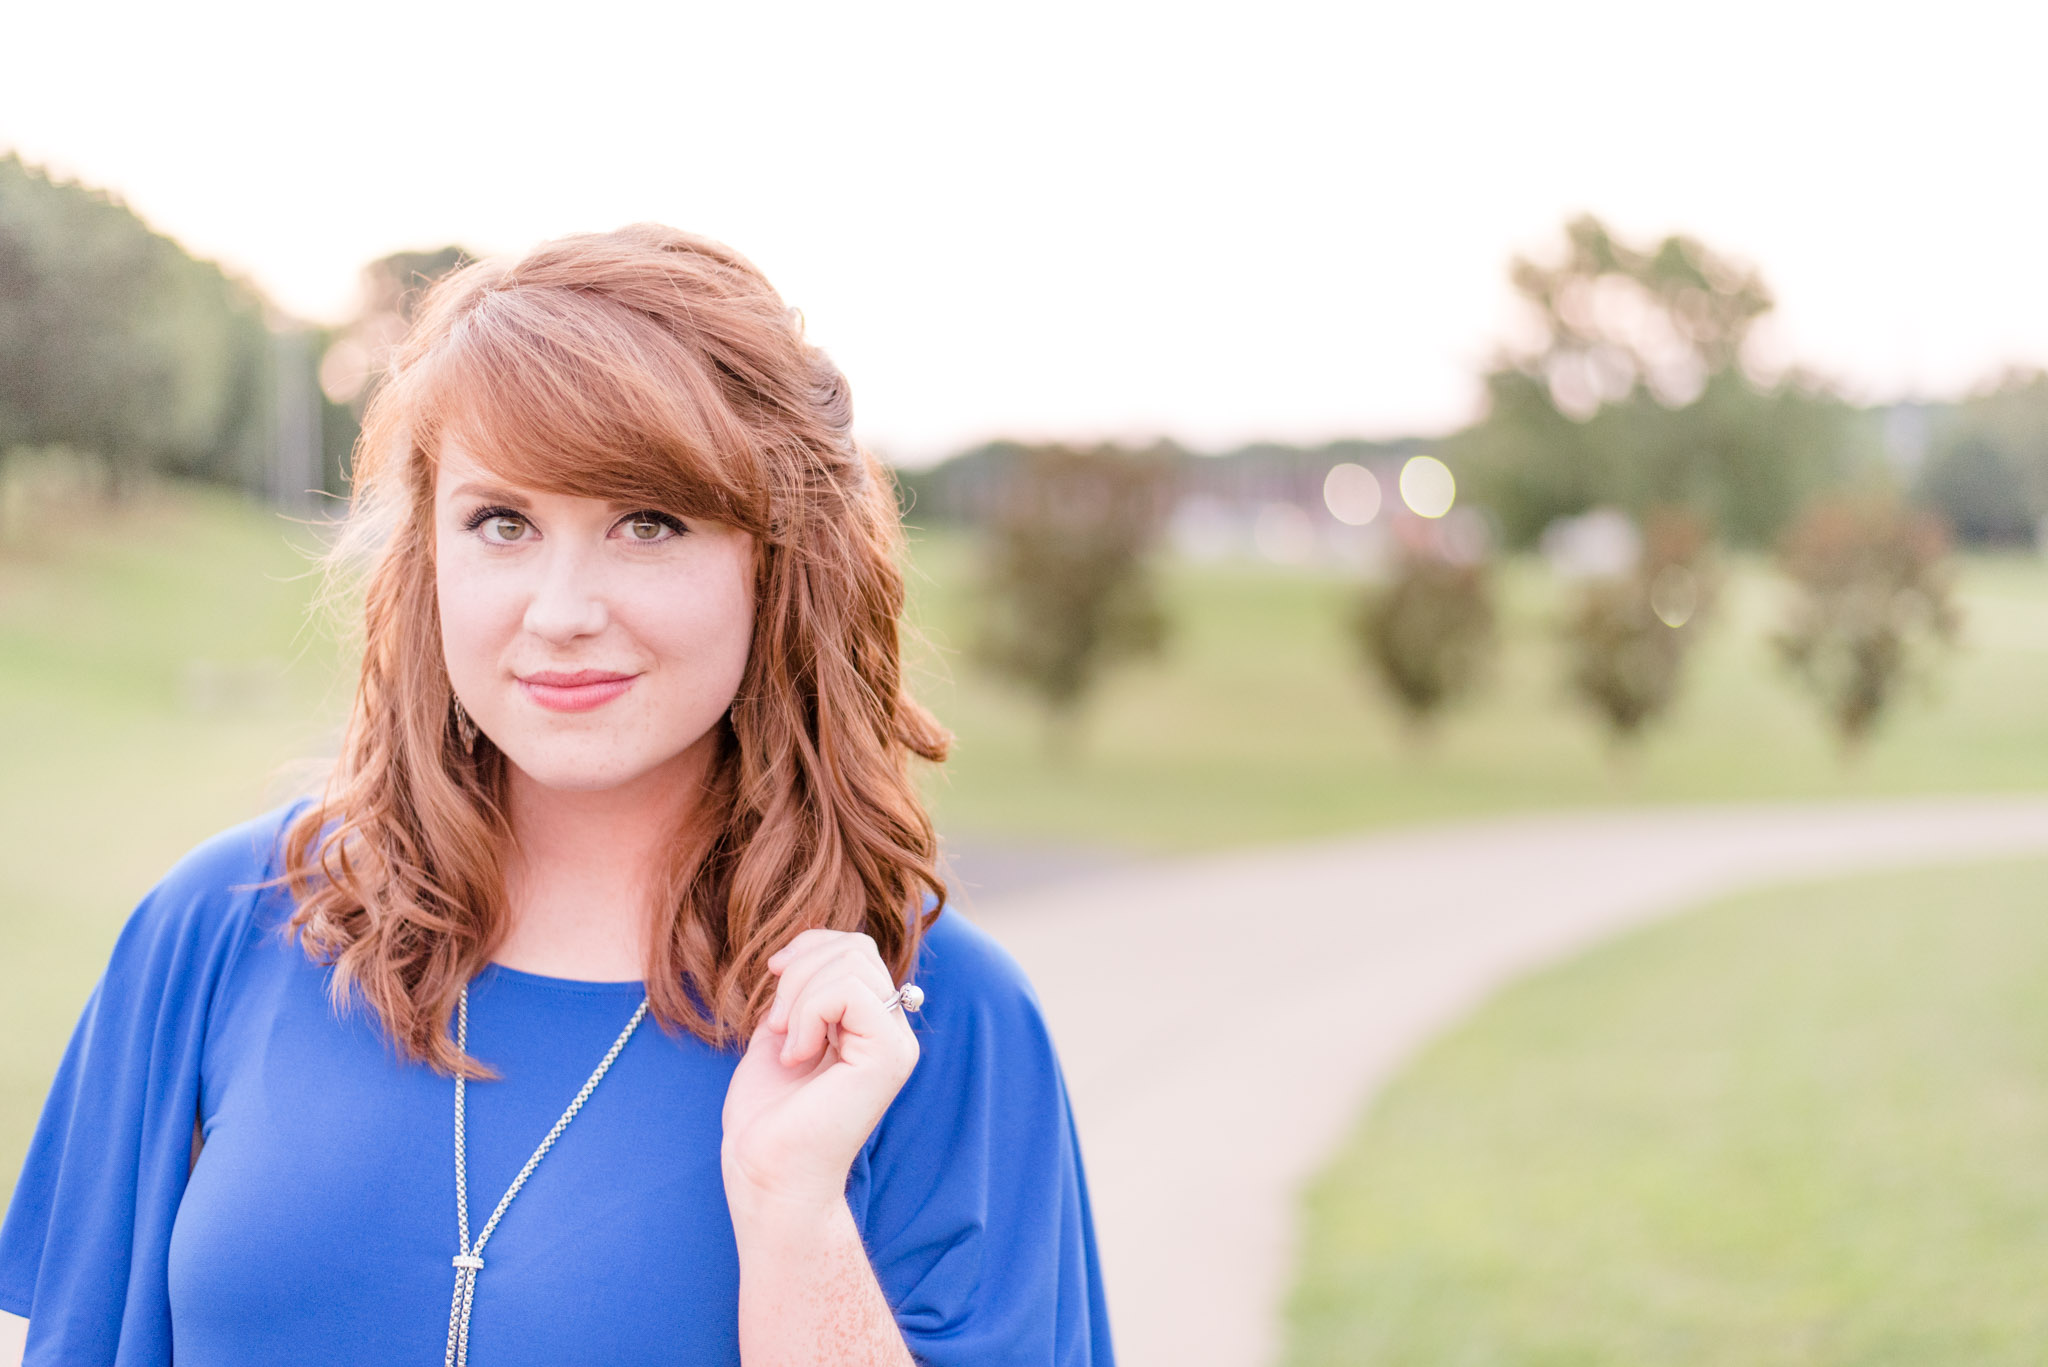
[586, 869]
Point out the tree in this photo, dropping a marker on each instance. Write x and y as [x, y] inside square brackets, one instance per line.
[1987, 462]
[1068, 590]
[1629, 634]
[115, 342]
[1636, 387]
[353, 357]
[1872, 606]
[1429, 633]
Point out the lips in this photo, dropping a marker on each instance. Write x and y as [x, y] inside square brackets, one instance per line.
[577, 692]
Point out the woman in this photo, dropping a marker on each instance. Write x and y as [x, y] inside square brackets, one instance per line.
[630, 742]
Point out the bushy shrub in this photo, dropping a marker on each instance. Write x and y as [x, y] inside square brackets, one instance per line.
[1068, 590]
[1429, 633]
[1628, 635]
[1872, 606]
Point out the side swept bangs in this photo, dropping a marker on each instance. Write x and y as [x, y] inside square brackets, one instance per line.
[571, 393]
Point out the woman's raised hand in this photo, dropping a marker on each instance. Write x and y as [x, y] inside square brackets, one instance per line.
[820, 1070]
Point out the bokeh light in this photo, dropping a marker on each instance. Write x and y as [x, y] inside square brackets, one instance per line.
[1352, 494]
[1427, 486]
[1674, 596]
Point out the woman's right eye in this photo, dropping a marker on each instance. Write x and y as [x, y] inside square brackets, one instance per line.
[502, 528]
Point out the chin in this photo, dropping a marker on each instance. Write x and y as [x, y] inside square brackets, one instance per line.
[580, 772]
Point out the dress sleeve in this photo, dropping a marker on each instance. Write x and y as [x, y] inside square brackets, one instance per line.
[970, 1193]
[83, 1252]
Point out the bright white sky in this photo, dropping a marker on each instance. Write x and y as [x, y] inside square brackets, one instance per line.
[1110, 218]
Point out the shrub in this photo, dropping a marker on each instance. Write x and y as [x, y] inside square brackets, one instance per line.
[1429, 633]
[1872, 606]
[1068, 588]
[1629, 634]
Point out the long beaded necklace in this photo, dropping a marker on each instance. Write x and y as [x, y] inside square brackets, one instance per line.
[469, 1259]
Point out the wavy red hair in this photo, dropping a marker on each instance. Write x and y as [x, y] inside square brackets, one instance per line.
[649, 367]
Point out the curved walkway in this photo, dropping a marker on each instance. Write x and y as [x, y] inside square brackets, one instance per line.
[1223, 1019]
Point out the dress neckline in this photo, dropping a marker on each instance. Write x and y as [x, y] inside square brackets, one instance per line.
[495, 972]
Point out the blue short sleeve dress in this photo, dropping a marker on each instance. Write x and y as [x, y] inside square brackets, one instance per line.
[318, 1222]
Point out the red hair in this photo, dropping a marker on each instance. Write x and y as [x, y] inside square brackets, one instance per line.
[650, 367]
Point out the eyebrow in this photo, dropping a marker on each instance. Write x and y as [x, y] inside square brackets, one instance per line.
[496, 493]
[493, 492]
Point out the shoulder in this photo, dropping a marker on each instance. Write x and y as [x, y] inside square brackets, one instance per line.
[978, 1002]
[236, 858]
[209, 899]
[962, 963]
[987, 1092]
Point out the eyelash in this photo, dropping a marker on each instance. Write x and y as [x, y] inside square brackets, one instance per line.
[483, 515]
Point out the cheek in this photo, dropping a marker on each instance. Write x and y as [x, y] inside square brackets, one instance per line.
[702, 633]
[479, 614]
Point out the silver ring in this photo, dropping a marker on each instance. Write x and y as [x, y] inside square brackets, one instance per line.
[909, 996]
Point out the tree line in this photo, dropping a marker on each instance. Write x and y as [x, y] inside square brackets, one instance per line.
[1635, 384]
[120, 347]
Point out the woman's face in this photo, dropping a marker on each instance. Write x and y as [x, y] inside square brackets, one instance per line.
[593, 643]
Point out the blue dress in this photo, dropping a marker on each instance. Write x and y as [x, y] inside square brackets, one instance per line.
[318, 1222]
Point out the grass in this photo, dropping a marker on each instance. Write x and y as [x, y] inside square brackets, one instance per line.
[157, 677]
[1802, 1126]
[1258, 724]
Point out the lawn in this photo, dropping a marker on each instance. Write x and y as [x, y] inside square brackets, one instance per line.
[1803, 1126]
[157, 678]
[1258, 724]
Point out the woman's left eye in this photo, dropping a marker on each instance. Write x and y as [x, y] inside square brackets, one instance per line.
[651, 526]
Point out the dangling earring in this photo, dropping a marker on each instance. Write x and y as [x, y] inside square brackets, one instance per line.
[464, 727]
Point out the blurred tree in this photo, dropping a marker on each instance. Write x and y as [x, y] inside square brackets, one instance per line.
[117, 343]
[1636, 386]
[1629, 634]
[1987, 462]
[1873, 606]
[352, 357]
[1429, 633]
[1068, 589]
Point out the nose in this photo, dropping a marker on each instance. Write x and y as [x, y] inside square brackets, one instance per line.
[568, 601]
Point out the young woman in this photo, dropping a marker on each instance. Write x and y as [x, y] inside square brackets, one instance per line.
[573, 1023]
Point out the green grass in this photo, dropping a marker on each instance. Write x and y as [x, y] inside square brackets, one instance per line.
[1258, 723]
[1799, 1127]
[157, 678]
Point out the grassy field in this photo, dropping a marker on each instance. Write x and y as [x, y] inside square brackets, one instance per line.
[1804, 1126]
[157, 678]
[1257, 724]
[160, 679]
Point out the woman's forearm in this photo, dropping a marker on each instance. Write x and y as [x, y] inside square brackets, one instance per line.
[808, 1294]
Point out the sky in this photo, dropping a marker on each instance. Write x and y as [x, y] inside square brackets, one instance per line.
[1109, 219]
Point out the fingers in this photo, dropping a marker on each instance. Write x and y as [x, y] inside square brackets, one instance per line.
[866, 1033]
[808, 940]
[818, 951]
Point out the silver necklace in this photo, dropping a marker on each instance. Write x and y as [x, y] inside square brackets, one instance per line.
[469, 1259]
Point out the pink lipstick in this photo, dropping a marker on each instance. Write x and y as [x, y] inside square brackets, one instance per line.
[577, 692]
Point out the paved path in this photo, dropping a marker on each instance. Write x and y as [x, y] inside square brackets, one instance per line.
[1327, 966]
